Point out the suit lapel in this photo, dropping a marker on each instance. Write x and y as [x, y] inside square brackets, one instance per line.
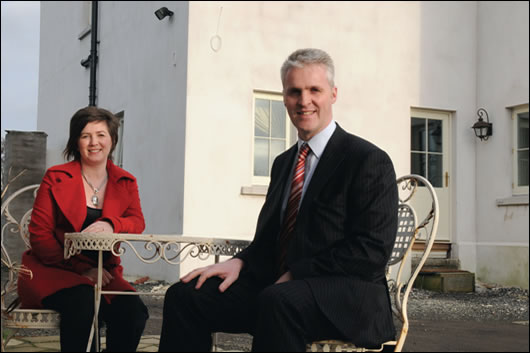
[332, 157]
[277, 186]
[281, 182]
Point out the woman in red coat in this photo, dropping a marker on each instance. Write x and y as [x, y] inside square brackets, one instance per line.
[88, 194]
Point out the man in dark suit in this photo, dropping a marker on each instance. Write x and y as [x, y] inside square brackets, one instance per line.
[316, 267]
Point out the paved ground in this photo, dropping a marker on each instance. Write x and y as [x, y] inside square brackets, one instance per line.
[486, 321]
[491, 320]
[466, 336]
[424, 336]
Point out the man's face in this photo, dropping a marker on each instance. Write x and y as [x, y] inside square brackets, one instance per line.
[308, 98]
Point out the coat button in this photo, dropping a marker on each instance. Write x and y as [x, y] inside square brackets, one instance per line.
[58, 180]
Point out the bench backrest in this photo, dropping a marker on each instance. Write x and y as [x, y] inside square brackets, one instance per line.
[414, 190]
[15, 229]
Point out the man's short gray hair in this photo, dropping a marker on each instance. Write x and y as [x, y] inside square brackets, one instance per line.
[302, 57]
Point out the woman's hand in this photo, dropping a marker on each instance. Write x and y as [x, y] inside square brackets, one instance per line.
[92, 274]
[99, 227]
[102, 227]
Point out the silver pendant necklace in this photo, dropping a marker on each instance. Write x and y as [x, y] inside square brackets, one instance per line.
[95, 199]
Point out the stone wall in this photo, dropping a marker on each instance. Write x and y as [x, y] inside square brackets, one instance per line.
[25, 151]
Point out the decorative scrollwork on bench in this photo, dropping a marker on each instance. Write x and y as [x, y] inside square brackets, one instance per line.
[22, 318]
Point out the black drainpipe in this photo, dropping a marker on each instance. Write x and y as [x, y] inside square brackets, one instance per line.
[93, 55]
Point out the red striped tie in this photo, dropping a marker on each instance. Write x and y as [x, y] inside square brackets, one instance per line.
[292, 207]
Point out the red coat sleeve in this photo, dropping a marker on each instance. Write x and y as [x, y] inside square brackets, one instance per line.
[132, 219]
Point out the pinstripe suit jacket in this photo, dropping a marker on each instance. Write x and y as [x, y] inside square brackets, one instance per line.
[344, 235]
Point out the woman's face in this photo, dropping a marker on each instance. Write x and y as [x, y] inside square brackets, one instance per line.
[95, 143]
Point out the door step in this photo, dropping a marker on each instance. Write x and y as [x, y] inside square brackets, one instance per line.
[437, 263]
[445, 280]
[439, 250]
[440, 273]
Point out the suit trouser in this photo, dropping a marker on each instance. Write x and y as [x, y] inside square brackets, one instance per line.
[282, 318]
[125, 318]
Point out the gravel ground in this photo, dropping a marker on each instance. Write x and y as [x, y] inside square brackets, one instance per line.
[487, 303]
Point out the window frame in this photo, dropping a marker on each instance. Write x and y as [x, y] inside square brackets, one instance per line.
[516, 189]
[86, 15]
[445, 118]
[117, 155]
[272, 96]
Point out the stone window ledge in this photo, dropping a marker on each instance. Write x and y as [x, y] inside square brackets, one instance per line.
[518, 200]
[254, 190]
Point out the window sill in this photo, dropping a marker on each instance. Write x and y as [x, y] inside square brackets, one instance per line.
[517, 200]
[254, 190]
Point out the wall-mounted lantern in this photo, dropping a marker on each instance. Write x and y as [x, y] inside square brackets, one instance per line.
[483, 129]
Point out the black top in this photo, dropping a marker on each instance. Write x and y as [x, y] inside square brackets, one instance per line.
[92, 214]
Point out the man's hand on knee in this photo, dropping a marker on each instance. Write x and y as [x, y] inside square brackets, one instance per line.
[228, 271]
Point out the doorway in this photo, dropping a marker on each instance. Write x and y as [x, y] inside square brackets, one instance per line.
[430, 158]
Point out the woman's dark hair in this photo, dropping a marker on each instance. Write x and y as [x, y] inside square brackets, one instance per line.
[78, 122]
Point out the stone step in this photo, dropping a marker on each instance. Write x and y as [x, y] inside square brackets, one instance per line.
[449, 264]
[446, 281]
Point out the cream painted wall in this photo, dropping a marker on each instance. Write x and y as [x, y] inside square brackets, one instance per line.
[502, 82]
[375, 49]
[372, 68]
[448, 82]
[504, 264]
[389, 57]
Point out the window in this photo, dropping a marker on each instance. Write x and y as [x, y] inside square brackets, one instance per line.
[118, 151]
[520, 150]
[271, 134]
[426, 146]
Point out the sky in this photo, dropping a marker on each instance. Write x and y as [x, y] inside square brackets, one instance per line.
[20, 64]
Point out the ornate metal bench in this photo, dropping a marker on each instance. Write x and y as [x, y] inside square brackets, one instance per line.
[411, 187]
[14, 318]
